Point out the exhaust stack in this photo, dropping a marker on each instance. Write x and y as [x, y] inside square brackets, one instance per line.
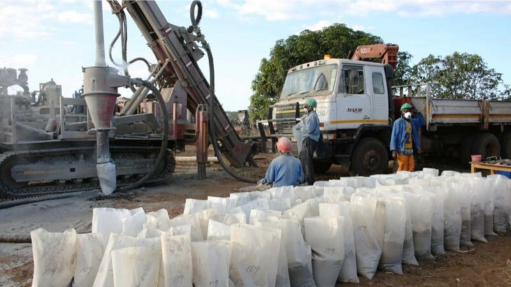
[100, 84]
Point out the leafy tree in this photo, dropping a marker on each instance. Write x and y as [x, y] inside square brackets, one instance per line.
[337, 40]
[460, 76]
[404, 70]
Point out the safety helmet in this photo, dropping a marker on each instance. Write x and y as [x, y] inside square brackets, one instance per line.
[311, 102]
[406, 106]
[284, 145]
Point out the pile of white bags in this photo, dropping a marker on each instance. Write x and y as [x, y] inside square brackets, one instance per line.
[283, 237]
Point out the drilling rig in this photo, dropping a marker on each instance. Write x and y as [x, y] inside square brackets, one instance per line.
[47, 147]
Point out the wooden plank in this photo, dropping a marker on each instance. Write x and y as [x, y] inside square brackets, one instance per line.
[491, 167]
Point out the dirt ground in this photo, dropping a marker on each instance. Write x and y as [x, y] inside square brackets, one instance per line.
[489, 264]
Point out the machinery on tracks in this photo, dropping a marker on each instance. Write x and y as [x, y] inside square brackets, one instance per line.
[52, 144]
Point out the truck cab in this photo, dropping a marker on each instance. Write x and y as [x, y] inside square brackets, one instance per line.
[353, 108]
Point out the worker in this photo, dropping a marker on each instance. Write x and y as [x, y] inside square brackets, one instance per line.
[404, 138]
[285, 169]
[310, 130]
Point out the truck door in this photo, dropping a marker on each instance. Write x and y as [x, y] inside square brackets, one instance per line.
[353, 103]
[377, 90]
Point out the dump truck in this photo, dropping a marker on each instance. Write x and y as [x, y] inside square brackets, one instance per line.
[356, 103]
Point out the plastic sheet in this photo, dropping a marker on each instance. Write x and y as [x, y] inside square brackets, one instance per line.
[298, 135]
[54, 257]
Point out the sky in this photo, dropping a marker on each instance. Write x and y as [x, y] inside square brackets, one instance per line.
[54, 39]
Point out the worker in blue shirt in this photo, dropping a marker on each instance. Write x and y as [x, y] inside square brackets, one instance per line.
[404, 139]
[311, 134]
[285, 169]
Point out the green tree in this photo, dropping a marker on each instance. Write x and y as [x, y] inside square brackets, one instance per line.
[337, 40]
[461, 76]
[403, 69]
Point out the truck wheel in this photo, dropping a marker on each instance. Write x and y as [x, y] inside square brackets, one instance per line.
[505, 145]
[321, 166]
[370, 157]
[486, 145]
[466, 147]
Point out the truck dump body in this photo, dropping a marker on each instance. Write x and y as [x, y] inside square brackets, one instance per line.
[454, 112]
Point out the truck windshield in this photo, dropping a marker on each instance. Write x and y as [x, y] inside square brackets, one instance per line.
[319, 79]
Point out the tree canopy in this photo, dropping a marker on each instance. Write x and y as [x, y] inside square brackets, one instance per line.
[458, 76]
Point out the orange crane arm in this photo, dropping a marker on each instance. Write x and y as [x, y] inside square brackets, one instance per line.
[386, 52]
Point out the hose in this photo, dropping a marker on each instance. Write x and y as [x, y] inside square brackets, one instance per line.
[141, 59]
[164, 139]
[212, 133]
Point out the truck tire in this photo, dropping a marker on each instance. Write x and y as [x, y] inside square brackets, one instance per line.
[466, 148]
[370, 157]
[321, 166]
[505, 145]
[486, 145]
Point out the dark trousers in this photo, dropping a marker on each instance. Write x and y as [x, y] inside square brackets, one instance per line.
[306, 156]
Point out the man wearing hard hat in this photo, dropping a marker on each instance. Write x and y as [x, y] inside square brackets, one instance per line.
[285, 169]
[310, 139]
[405, 137]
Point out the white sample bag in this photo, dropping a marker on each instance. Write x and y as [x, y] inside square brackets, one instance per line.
[177, 260]
[282, 272]
[348, 272]
[421, 209]
[235, 218]
[137, 266]
[54, 257]
[298, 254]
[261, 203]
[253, 256]
[391, 223]
[158, 220]
[218, 231]
[452, 216]
[211, 261]
[502, 195]
[105, 276]
[326, 237]
[90, 249]
[478, 201]
[368, 251]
